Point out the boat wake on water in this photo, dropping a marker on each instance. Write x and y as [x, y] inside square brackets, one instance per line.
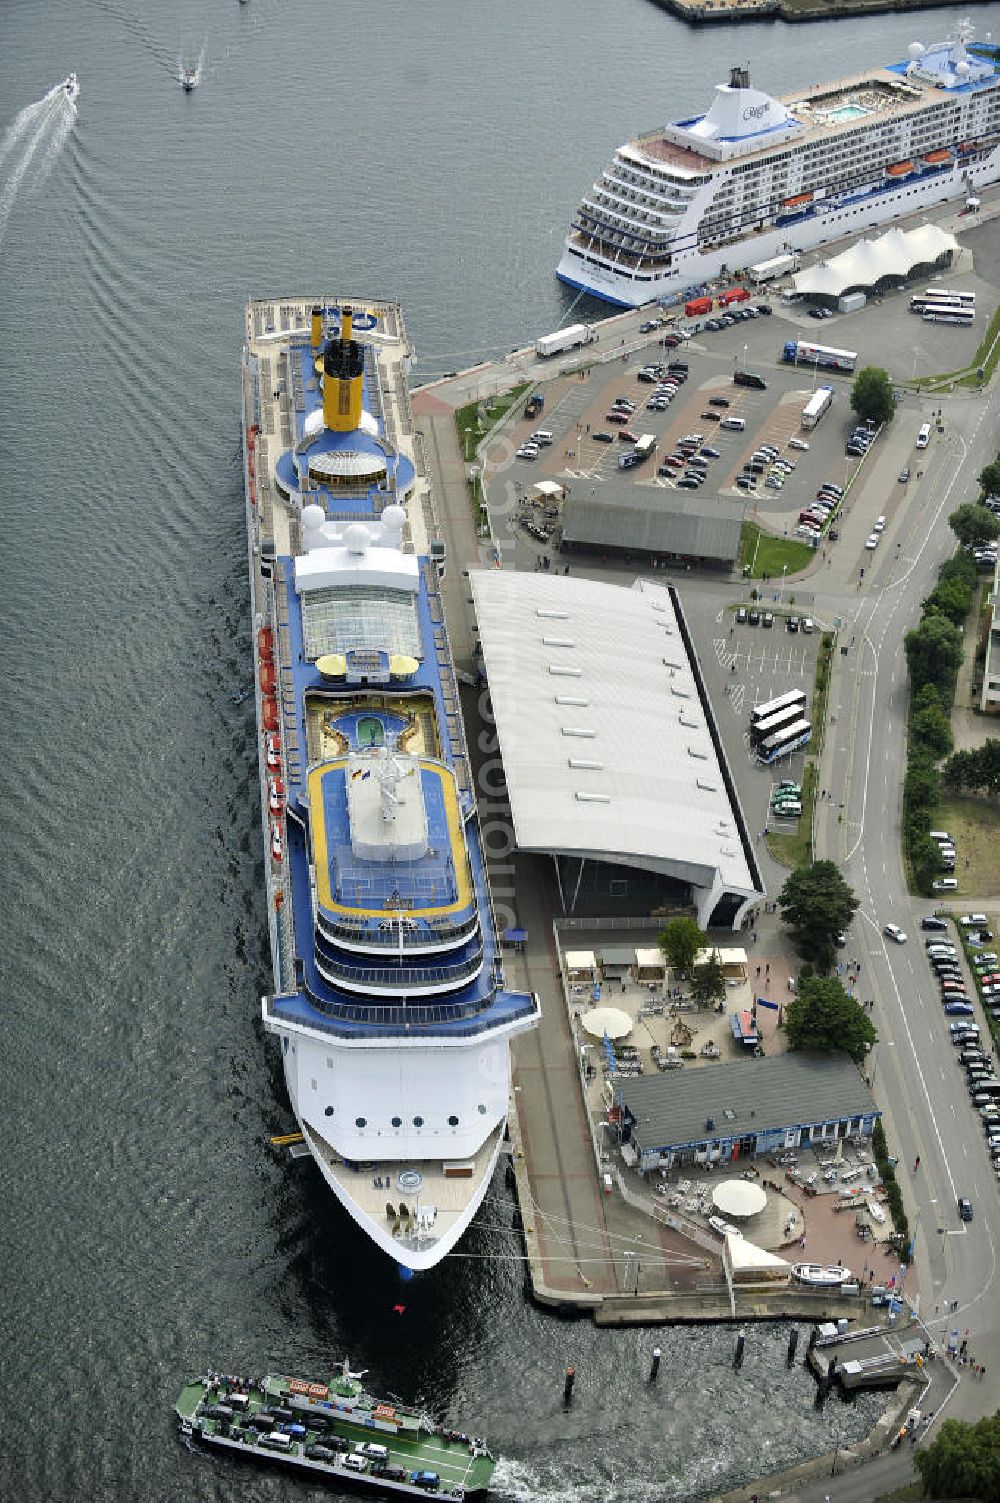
[33, 142]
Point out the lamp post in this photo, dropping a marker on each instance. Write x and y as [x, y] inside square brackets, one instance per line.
[781, 592]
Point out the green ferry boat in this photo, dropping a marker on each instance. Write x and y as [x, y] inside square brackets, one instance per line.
[337, 1431]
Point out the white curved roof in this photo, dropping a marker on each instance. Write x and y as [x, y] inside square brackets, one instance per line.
[893, 254]
[606, 749]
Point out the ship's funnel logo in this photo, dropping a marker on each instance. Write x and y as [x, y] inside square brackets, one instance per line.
[756, 112]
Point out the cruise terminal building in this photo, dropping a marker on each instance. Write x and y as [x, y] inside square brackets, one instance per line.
[613, 763]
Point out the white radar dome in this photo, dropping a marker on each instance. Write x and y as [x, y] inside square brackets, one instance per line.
[356, 538]
[313, 423]
[962, 69]
[394, 517]
[313, 516]
[915, 50]
[368, 424]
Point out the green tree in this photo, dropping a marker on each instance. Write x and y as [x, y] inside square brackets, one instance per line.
[871, 395]
[960, 566]
[925, 856]
[824, 1017]
[962, 1461]
[816, 903]
[934, 652]
[961, 771]
[974, 525]
[989, 479]
[952, 597]
[931, 728]
[708, 981]
[680, 942]
[922, 784]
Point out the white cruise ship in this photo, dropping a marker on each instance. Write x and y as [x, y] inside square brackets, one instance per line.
[389, 999]
[756, 176]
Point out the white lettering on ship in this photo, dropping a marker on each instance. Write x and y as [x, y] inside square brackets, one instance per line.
[756, 112]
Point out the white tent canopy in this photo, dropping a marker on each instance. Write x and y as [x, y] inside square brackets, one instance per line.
[749, 1265]
[865, 264]
[547, 488]
[739, 1197]
[581, 964]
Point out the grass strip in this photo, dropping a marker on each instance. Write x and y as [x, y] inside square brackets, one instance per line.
[766, 556]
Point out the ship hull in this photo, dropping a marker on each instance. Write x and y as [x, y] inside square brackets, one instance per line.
[692, 268]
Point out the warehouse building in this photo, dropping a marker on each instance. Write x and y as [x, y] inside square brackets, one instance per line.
[654, 522]
[612, 762]
[714, 1114]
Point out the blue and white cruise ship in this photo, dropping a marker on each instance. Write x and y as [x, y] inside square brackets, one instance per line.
[389, 1000]
[756, 176]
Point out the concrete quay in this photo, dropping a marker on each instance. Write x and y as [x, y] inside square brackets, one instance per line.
[705, 12]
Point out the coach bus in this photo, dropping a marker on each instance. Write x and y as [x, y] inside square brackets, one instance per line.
[784, 742]
[921, 301]
[794, 699]
[763, 730]
[947, 313]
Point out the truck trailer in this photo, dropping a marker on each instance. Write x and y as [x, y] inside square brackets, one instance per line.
[778, 266]
[570, 338]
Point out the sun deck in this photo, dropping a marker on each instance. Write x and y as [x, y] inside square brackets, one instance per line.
[436, 884]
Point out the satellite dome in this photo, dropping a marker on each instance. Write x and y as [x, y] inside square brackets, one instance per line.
[356, 538]
[962, 69]
[394, 517]
[313, 423]
[313, 516]
[915, 51]
[368, 424]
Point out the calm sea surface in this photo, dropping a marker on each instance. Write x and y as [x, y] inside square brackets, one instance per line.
[433, 153]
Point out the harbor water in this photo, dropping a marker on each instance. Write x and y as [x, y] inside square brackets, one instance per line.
[149, 1229]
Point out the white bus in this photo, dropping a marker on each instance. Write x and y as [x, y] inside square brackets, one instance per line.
[763, 730]
[924, 436]
[784, 742]
[771, 707]
[943, 295]
[947, 313]
[816, 406]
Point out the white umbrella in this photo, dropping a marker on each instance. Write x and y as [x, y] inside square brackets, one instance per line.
[738, 1197]
[608, 1022]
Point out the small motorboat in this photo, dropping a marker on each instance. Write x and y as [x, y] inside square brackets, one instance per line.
[71, 88]
[820, 1277]
[189, 77]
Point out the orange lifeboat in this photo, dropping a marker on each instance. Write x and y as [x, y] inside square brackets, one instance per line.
[265, 644]
[797, 201]
[267, 678]
[934, 157]
[899, 169]
[269, 713]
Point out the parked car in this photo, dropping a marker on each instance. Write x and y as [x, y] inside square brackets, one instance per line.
[604, 438]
